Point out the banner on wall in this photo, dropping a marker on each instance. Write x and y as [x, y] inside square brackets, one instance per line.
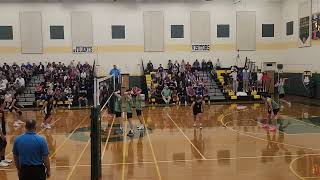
[316, 26]
[82, 49]
[305, 27]
[200, 47]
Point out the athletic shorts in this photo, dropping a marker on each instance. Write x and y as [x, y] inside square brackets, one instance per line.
[129, 115]
[47, 115]
[118, 114]
[3, 144]
[281, 96]
[196, 112]
[139, 112]
[275, 111]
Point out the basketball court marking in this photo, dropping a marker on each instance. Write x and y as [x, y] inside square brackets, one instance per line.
[152, 150]
[125, 128]
[106, 143]
[66, 139]
[257, 133]
[78, 160]
[295, 172]
[224, 124]
[186, 136]
[58, 119]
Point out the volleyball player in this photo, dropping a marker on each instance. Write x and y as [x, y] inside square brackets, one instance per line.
[128, 102]
[197, 108]
[118, 109]
[273, 109]
[3, 139]
[47, 108]
[138, 105]
[281, 91]
[15, 106]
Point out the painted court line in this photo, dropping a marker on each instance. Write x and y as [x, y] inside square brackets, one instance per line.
[66, 139]
[295, 172]
[224, 124]
[152, 150]
[39, 132]
[78, 160]
[125, 128]
[106, 143]
[186, 137]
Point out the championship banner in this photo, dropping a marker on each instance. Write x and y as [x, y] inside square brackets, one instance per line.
[200, 47]
[305, 36]
[316, 26]
[82, 49]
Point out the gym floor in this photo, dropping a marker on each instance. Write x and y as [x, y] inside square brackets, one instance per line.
[230, 146]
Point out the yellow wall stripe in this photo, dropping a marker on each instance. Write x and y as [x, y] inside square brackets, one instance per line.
[168, 48]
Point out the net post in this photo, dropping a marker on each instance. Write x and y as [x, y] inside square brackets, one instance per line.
[95, 144]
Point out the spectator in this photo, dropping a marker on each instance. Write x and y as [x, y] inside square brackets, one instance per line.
[196, 65]
[3, 84]
[204, 65]
[166, 95]
[218, 64]
[210, 65]
[182, 68]
[149, 67]
[160, 69]
[188, 67]
[245, 79]
[115, 71]
[20, 81]
[83, 75]
[234, 77]
[40, 68]
[83, 93]
[170, 67]
[31, 154]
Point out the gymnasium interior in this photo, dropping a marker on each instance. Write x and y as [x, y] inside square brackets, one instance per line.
[165, 58]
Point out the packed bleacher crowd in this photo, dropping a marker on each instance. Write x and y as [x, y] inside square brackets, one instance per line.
[13, 79]
[65, 83]
[245, 80]
[178, 82]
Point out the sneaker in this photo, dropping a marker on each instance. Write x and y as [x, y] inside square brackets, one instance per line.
[289, 104]
[20, 122]
[48, 126]
[16, 124]
[140, 128]
[130, 134]
[121, 130]
[273, 128]
[194, 124]
[43, 125]
[8, 161]
[265, 126]
[200, 126]
[3, 164]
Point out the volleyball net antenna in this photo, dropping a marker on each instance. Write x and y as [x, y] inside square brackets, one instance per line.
[104, 87]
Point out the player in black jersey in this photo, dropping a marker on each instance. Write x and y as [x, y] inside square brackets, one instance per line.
[3, 139]
[15, 106]
[197, 108]
[47, 110]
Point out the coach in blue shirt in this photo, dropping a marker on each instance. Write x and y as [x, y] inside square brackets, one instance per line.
[31, 154]
[115, 71]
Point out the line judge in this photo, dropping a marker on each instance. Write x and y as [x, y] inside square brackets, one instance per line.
[31, 154]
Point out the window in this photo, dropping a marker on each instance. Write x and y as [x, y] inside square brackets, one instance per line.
[56, 32]
[223, 30]
[118, 32]
[177, 31]
[289, 28]
[6, 33]
[267, 30]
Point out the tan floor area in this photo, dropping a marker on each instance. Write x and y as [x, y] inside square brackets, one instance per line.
[231, 146]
